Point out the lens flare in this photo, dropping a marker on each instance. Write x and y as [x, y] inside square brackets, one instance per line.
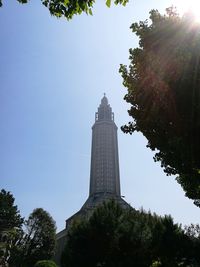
[184, 6]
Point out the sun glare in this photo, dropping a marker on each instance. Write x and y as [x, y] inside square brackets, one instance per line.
[184, 6]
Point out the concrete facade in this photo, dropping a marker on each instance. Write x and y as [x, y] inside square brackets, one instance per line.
[104, 172]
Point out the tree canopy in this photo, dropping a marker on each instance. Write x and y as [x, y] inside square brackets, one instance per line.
[163, 82]
[114, 237]
[23, 243]
[39, 236]
[9, 213]
[69, 8]
[10, 226]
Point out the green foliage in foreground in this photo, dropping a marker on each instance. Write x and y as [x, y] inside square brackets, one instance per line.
[10, 226]
[69, 8]
[45, 263]
[23, 243]
[9, 213]
[163, 82]
[38, 241]
[114, 237]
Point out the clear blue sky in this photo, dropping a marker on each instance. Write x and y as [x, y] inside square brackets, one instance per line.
[53, 74]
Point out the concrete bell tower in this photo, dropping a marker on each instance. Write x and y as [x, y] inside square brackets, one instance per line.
[104, 171]
[104, 168]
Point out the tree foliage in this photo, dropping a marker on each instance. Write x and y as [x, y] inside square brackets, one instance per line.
[9, 213]
[10, 226]
[23, 243]
[193, 233]
[38, 242]
[69, 8]
[163, 82]
[114, 237]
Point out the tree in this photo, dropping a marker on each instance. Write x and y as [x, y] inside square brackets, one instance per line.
[114, 237]
[39, 238]
[193, 233]
[10, 226]
[163, 82]
[92, 243]
[24, 247]
[9, 213]
[69, 8]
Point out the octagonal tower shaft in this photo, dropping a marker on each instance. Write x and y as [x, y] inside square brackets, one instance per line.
[104, 172]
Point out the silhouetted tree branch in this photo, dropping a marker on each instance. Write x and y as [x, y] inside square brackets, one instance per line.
[69, 8]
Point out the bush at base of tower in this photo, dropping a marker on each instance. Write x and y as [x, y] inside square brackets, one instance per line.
[114, 237]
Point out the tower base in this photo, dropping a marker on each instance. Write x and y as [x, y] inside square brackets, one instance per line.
[85, 212]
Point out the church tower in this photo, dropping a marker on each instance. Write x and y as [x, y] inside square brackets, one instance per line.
[104, 168]
[104, 172]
